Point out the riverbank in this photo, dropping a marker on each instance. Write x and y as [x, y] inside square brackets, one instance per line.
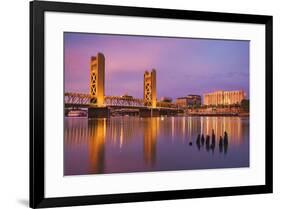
[218, 114]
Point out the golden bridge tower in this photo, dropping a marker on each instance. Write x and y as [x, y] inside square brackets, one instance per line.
[97, 67]
[149, 91]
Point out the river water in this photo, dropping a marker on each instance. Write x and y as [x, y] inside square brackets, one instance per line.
[134, 144]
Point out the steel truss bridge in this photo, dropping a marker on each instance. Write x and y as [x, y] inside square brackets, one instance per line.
[81, 100]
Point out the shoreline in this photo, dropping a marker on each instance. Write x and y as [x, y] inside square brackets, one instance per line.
[187, 115]
[220, 114]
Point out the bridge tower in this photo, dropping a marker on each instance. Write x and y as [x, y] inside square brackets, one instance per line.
[97, 67]
[149, 91]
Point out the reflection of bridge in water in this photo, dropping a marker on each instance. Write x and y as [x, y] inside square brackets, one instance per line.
[101, 136]
[101, 106]
[98, 133]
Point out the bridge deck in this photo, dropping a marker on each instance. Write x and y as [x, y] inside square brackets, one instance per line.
[82, 100]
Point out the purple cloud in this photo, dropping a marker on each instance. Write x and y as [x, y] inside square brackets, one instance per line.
[184, 65]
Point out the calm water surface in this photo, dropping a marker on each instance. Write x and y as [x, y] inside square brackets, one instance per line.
[134, 144]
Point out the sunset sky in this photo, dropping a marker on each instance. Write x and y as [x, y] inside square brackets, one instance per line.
[184, 66]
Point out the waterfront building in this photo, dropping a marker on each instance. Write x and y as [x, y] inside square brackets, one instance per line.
[189, 101]
[149, 88]
[224, 97]
[126, 96]
[166, 99]
[97, 67]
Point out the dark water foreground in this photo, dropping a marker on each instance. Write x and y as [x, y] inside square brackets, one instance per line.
[133, 144]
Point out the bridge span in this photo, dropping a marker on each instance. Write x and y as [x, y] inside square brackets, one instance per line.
[118, 104]
[99, 105]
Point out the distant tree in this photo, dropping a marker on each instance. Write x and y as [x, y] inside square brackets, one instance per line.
[195, 106]
[245, 105]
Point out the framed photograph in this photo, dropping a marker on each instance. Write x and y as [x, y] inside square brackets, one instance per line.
[135, 104]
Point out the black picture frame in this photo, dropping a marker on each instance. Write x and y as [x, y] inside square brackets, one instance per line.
[37, 195]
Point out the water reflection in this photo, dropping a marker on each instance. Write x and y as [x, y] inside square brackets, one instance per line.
[131, 144]
[149, 140]
[96, 145]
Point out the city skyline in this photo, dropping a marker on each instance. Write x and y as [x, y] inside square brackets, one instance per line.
[184, 66]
